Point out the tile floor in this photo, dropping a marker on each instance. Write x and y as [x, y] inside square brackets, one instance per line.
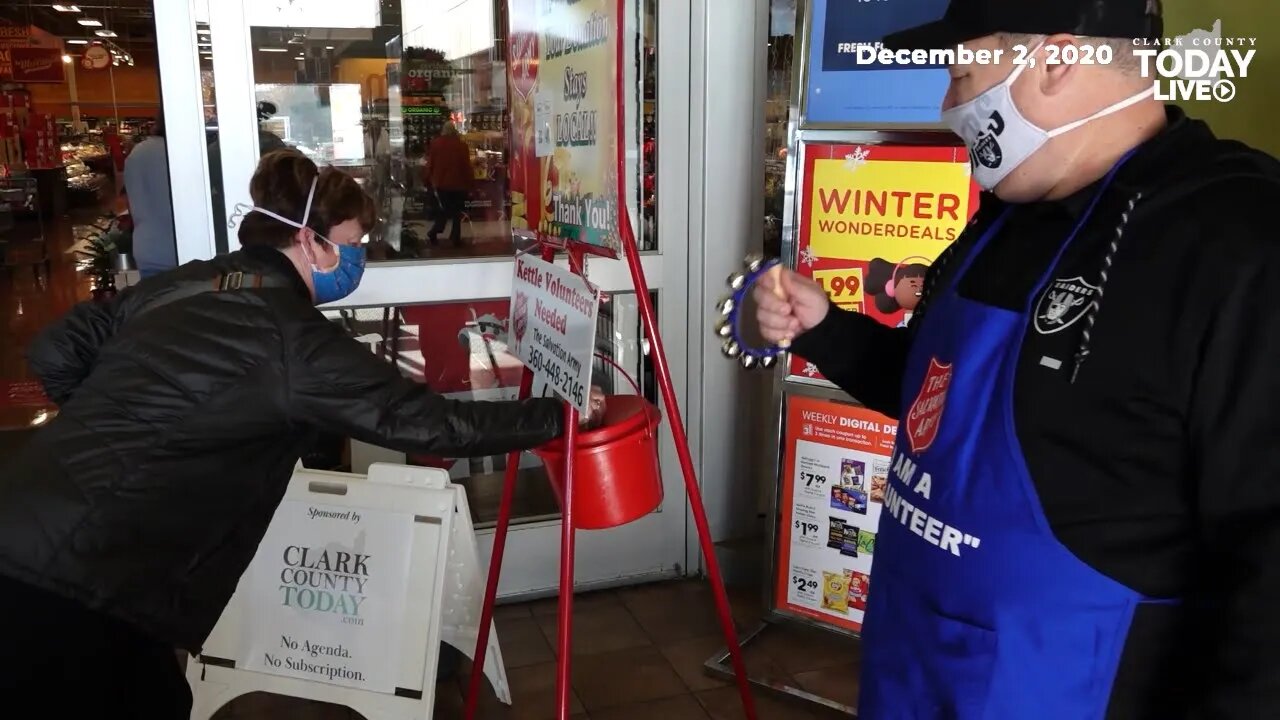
[638, 653]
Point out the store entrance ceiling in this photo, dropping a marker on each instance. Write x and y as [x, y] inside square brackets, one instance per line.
[133, 21]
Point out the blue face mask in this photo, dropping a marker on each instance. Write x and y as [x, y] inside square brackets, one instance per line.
[343, 279]
[336, 282]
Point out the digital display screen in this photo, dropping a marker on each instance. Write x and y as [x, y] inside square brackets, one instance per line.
[840, 89]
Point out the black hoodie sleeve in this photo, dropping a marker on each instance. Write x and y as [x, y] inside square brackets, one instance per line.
[336, 384]
[64, 353]
[1235, 445]
[862, 356]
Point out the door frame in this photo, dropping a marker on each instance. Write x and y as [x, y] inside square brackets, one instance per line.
[652, 548]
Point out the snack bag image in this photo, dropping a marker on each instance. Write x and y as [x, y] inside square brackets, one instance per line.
[879, 484]
[866, 542]
[849, 547]
[835, 592]
[859, 586]
[857, 501]
[852, 472]
[835, 534]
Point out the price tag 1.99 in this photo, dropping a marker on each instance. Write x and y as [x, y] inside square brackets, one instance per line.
[844, 287]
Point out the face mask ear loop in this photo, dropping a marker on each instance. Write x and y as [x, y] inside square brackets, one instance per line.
[1017, 72]
[1104, 111]
[306, 214]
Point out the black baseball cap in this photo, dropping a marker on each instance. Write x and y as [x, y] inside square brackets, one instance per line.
[967, 20]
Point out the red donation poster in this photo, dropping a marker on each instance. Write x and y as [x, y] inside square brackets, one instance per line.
[564, 163]
[834, 474]
[873, 218]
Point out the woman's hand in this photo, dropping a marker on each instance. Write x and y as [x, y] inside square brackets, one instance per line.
[596, 408]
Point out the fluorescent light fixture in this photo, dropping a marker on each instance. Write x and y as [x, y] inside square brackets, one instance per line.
[328, 47]
[272, 50]
[66, 58]
[105, 33]
[66, 8]
[77, 42]
[90, 22]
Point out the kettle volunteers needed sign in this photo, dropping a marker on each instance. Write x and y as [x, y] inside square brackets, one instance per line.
[553, 327]
[327, 589]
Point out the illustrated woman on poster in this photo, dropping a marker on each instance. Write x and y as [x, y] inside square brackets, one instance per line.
[897, 287]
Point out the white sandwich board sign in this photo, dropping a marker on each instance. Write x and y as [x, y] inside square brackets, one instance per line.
[355, 585]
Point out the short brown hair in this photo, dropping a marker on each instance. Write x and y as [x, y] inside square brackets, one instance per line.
[281, 183]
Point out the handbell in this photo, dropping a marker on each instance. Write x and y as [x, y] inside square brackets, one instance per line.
[754, 262]
[767, 363]
[727, 306]
[724, 329]
[731, 349]
[736, 281]
[748, 361]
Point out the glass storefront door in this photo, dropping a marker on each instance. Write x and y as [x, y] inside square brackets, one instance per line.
[368, 86]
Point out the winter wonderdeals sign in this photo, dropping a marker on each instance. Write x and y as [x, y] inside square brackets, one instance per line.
[841, 90]
[873, 218]
[326, 594]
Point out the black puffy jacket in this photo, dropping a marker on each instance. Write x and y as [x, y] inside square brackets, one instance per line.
[183, 411]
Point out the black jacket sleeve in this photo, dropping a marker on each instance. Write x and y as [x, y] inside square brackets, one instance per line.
[863, 357]
[336, 383]
[866, 358]
[1234, 426]
[64, 353]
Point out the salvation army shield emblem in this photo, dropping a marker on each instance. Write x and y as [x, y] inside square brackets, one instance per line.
[925, 415]
[520, 317]
[1062, 303]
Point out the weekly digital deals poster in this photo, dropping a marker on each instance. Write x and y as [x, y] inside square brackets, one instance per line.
[842, 90]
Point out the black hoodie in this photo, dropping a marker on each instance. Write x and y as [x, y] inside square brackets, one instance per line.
[1147, 403]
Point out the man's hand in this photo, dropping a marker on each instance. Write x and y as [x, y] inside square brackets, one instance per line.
[805, 305]
[596, 408]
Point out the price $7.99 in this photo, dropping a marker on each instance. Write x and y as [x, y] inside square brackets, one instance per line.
[560, 379]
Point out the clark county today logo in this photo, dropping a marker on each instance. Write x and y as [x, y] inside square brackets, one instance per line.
[1201, 65]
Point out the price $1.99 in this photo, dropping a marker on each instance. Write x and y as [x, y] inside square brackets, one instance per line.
[806, 528]
[557, 376]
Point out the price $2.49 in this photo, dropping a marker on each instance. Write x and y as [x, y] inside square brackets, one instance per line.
[803, 584]
[567, 385]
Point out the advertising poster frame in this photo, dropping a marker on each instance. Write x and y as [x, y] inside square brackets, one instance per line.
[804, 74]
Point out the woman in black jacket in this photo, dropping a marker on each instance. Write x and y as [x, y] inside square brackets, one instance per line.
[126, 523]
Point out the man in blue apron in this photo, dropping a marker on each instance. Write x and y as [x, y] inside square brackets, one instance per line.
[1083, 512]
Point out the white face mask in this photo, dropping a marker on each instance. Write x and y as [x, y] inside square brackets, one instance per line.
[999, 138]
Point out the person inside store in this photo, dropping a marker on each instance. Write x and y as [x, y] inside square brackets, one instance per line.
[146, 187]
[1083, 512]
[452, 176]
[268, 142]
[127, 521]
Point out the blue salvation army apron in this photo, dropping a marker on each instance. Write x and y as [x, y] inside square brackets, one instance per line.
[976, 611]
